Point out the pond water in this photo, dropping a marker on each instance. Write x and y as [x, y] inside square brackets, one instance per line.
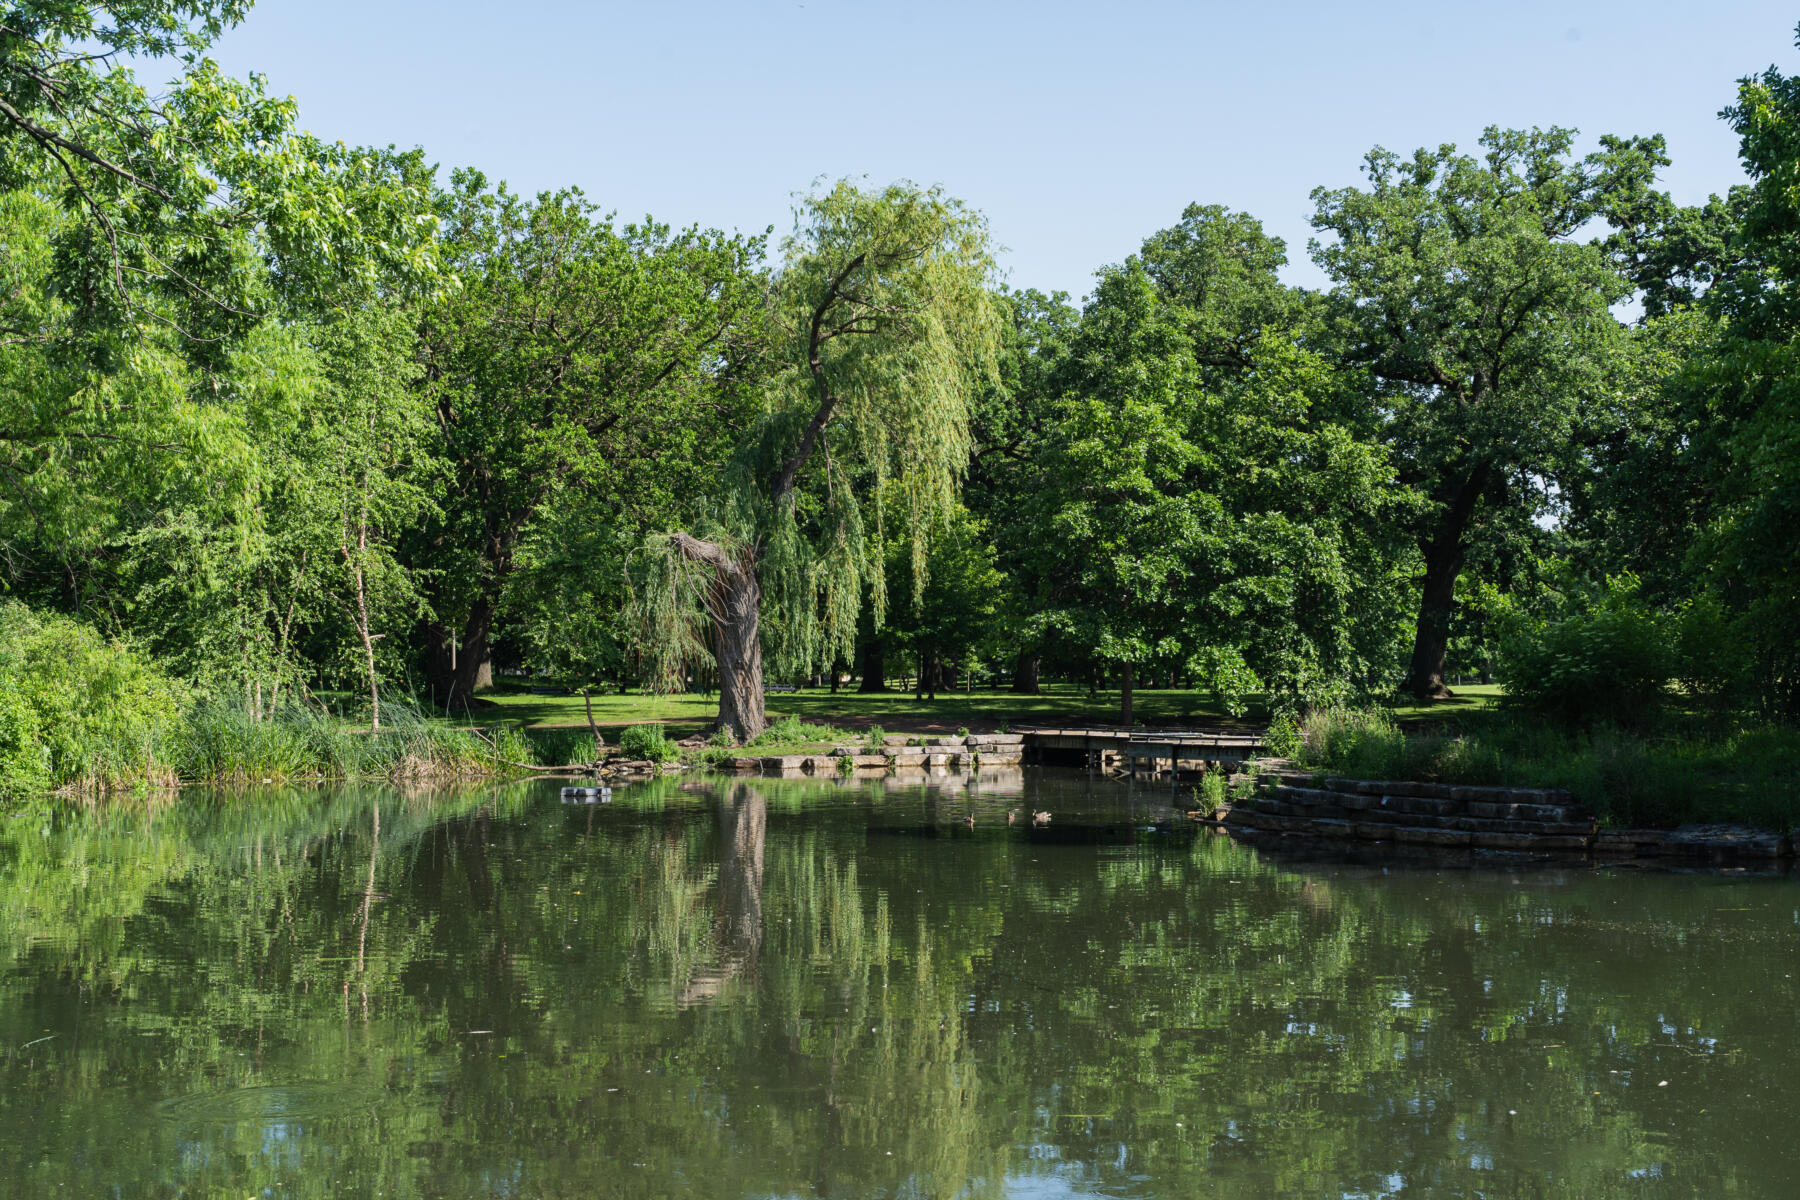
[729, 988]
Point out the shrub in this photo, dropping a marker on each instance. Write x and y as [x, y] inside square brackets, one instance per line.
[1707, 657]
[79, 710]
[1363, 742]
[565, 747]
[1283, 737]
[1609, 664]
[1622, 777]
[222, 742]
[1213, 793]
[647, 742]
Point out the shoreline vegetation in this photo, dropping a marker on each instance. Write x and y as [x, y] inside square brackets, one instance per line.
[103, 722]
[1651, 778]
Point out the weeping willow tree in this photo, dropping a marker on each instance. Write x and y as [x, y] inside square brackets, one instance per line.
[885, 326]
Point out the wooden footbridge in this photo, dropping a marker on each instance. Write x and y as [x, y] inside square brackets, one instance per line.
[1148, 751]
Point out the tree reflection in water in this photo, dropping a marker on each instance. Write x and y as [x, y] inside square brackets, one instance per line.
[740, 990]
[743, 815]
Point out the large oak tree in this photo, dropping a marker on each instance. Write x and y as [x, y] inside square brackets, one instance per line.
[1470, 290]
[579, 366]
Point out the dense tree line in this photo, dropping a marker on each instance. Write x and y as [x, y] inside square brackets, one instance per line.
[292, 416]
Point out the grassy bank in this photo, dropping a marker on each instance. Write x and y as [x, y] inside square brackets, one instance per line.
[981, 709]
[1678, 775]
[225, 744]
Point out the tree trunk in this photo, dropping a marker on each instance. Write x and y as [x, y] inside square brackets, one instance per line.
[1443, 555]
[599, 742]
[734, 601]
[1431, 641]
[1025, 674]
[737, 630]
[359, 616]
[874, 668]
[1127, 677]
[454, 667]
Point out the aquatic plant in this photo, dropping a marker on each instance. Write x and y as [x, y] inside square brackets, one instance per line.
[647, 742]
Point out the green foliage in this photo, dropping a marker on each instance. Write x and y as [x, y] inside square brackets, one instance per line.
[875, 740]
[161, 190]
[225, 742]
[582, 371]
[1362, 742]
[1212, 794]
[793, 731]
[889, 295]
[564, 747]
[1606, 664]
[953, 617]
[1693, 774]
[1284, 735]
[77, 710]
[647, 742]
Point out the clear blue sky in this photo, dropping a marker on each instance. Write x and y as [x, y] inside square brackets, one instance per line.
[1077, 128]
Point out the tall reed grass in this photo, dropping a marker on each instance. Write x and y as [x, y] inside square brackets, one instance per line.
[225, 743]
[1677, 775]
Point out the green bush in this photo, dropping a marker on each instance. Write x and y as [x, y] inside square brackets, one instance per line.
[1708, 657]
[1624, 777]
[1283, 738]
[1606, 665]
[565, 747]
[1363, 742]
[1213, 792]
[647, 742]
[77, 710]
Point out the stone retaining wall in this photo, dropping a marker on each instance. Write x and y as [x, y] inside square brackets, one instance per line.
[899, 754]
[1460, 817]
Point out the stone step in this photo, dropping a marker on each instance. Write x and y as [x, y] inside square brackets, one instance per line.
[1726, 841]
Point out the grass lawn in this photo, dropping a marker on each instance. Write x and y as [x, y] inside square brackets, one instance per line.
[980, 710]
[1469, 698]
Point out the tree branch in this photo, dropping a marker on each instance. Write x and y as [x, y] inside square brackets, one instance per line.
[784, 481]
[41, 135]
[710, 553]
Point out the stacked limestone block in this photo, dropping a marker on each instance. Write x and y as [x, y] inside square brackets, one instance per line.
[1487, 818]
[916, 755]
[1425, 814]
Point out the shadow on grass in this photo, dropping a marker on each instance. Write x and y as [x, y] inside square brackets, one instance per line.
[979, 711]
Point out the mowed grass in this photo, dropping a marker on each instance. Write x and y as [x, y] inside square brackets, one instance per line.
[1467, 698]
[982, 710]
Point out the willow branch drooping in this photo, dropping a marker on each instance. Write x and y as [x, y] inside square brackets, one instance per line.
[883, 300]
